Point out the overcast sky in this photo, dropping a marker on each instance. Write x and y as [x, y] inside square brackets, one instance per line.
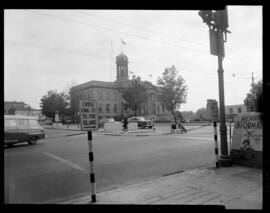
[52, 49]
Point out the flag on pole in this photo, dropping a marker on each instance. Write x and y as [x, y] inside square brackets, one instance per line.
[123, 42]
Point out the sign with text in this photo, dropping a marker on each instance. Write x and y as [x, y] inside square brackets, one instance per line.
[212, 109]
[88, 115]
[247, 133]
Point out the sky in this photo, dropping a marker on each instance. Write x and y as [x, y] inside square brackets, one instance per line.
[55, 49]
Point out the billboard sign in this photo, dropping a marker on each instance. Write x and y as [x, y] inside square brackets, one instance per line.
[247, 133]
[88, 115]
[212, 109]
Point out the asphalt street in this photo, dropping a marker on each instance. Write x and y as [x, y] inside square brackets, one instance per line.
[57, 168]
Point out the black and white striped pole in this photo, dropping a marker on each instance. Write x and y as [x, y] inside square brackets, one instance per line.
[216, 143]
[91, 167]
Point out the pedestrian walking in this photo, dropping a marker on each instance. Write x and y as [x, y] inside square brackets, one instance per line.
[154, 123]
[173, 124]
[181, 127]
[125, 124]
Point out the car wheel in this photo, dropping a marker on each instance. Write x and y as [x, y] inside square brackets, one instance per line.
[32, 141]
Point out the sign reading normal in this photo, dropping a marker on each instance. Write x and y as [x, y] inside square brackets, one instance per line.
[88, 115]
[247, 133]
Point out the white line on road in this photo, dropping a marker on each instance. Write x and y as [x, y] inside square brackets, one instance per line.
[67, 162]
[209, 139]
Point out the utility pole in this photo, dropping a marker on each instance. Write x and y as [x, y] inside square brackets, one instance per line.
[217, 21]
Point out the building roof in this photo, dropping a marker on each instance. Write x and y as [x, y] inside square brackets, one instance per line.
[90, 84]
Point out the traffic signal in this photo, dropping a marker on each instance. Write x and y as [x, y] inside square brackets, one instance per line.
[221, 19]
[207, 16]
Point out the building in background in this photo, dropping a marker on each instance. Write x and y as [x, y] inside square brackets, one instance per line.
[232, 110]
[11, 107]
[109, 99]
[21, 108]
[30, 112]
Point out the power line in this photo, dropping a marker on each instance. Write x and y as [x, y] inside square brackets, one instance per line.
[188, 70]
[69, 51]
[129, 34]
[155, 32]
[141, 28]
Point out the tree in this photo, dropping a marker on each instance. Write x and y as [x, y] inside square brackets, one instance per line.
[188, 115]
[135, 94]
[202, 114]
[174, 90]
[52, 102]
[253, 100]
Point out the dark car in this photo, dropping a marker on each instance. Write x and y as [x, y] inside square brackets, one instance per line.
[22, 129]
[142, 122]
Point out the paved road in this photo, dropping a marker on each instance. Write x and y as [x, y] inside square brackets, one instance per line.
[56, 168]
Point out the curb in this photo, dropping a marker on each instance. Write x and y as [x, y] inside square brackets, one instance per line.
[76, 134]
[132, 134]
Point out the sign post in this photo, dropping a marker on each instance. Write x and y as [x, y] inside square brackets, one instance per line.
[212, 110]
[89, 122]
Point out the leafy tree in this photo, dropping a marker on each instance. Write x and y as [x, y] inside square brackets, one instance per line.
[135, 94]
[253, 100]
[174, 90]
[188, 115]
[52, 102]
[202, 114]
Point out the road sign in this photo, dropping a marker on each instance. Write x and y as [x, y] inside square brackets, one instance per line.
[88, 115]
[212, 109]
[215, 44]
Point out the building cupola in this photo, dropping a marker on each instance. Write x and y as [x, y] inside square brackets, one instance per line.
[121, 67]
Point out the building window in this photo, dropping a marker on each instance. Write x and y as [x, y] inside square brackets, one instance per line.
[163, 108]
[107, 107]
[231, 110]
[108, 95]
[239, 110]
[115, 108]
[100, 107]
[100, 95]
[158, 108]
[115, 95]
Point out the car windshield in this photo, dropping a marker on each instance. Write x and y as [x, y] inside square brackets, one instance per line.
[141, 119]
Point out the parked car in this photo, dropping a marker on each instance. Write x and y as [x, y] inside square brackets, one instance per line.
[105, 120]
[142, 122]
[22, 129]
[48, 121]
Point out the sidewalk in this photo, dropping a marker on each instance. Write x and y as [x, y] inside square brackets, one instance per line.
[234, 187]
[138, 132]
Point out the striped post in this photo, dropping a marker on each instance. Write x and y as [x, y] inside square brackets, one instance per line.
[91, 167]
[230, 135]
[216, 143]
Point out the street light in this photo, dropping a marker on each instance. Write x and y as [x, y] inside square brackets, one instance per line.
[218, 24]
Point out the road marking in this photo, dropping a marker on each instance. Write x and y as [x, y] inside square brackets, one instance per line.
[67, 162]
[209, 139]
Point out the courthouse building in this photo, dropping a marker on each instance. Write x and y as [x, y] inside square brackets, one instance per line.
[109, 95]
